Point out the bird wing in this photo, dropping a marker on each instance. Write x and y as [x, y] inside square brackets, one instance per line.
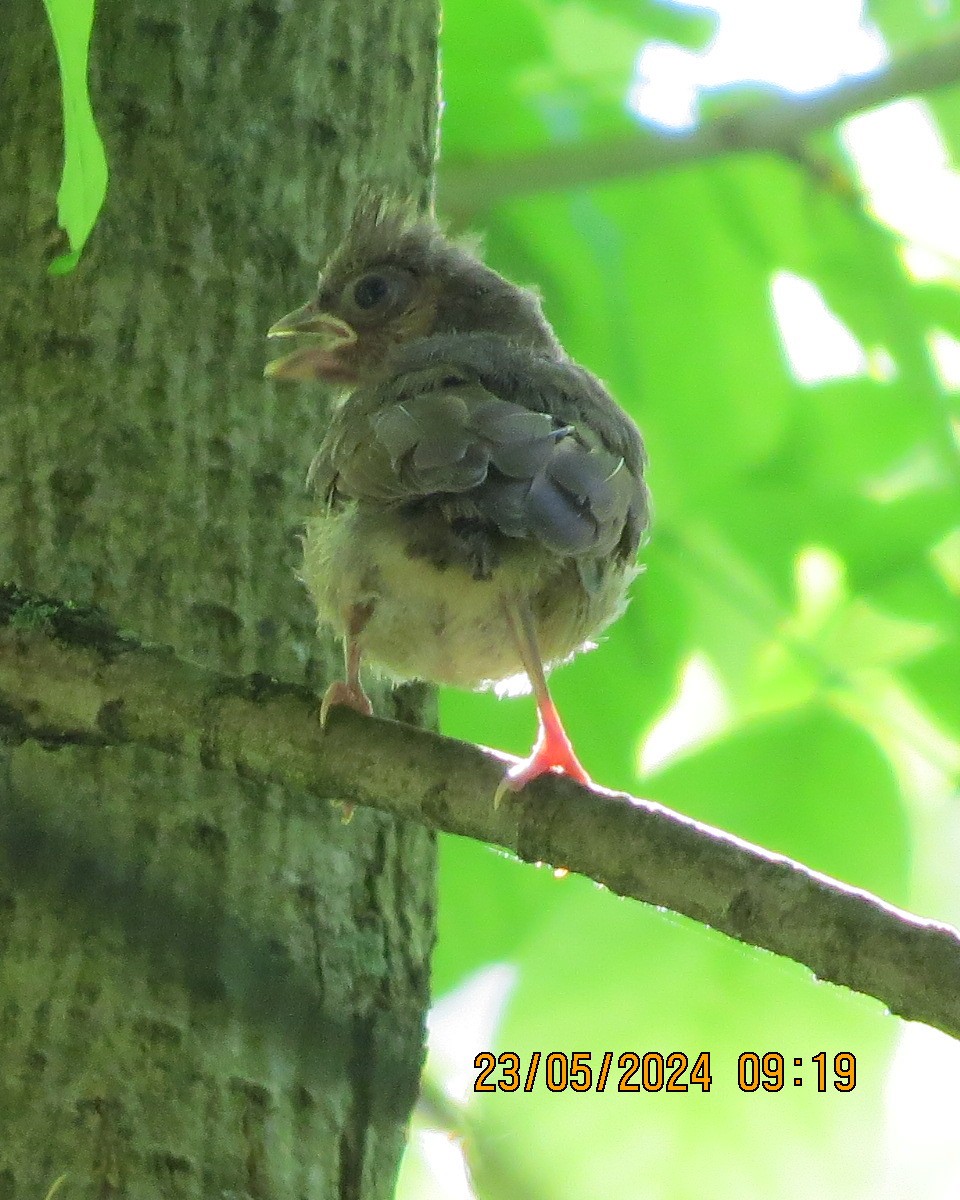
[493, 433]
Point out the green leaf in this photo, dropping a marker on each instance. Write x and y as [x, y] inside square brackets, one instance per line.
[907, 24]
[779, 782]
[84, 182]
[553, 70]
[492, 905]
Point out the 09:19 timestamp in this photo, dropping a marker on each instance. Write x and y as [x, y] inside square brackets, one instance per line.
[581, 1071]
[769, 1071]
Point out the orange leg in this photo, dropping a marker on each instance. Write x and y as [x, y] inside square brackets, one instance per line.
[552, 750]
[349, 692]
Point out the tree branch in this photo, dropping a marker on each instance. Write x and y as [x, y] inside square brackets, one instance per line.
[778, 124]
[68, 677]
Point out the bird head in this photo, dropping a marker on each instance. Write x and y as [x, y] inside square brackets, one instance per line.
[396, 277]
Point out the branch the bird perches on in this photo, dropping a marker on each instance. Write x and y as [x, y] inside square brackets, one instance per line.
[67, 676]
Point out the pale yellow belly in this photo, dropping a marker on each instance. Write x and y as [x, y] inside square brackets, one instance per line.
[444, 626]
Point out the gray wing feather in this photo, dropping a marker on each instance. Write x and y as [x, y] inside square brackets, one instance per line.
[527, 469]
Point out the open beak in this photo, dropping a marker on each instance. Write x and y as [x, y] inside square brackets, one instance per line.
[327, 336]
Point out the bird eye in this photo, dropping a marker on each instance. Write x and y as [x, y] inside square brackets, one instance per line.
[370, 290]
[378, 294]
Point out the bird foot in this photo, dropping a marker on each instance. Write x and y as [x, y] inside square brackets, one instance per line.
[344, 695]
[550, 754]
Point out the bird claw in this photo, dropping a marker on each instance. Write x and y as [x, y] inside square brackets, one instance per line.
[343, 695]
[543, 759]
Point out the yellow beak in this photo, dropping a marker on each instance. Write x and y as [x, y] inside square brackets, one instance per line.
[328, 335]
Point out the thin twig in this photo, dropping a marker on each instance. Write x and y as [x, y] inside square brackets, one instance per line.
[778, 124]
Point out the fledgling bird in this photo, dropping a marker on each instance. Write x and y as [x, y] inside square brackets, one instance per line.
[480, 496]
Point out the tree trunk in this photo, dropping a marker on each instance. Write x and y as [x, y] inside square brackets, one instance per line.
[203, 992]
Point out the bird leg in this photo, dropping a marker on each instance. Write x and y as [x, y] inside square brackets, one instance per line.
[552, 750]
[349, 692]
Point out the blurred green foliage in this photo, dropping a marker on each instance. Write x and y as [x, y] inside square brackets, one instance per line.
[805, 553]
[794, 551]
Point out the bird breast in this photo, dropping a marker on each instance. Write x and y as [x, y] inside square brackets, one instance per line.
[427, 619]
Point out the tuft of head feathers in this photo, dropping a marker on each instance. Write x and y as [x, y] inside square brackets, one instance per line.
[464, 294]
[384, 228]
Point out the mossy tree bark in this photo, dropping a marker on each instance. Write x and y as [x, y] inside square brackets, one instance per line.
[202, 993]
